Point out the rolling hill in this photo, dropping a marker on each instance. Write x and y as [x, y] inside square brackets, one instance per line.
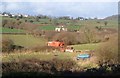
[113, 17]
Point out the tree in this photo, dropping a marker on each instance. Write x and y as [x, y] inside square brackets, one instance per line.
[31, 21]
[68, 37]
[89, 34]
[7, 45]
[55, 21]
[105, 23]
[25, 20]
[20, 16]
[37, 19]
[108, 51]
[4, 22]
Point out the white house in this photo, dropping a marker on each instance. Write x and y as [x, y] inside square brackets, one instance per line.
[19, 15]
[58, 29]
[25, 15]
[13, 15]
[6, 15]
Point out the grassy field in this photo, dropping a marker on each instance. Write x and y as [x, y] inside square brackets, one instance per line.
[70, 24]
[7, 30]
[88, 63]
[29, 41]
[26, 40]
[86, 46]
[38, 55]
[92, 23]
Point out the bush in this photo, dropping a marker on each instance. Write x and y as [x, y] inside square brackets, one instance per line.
[49, 34]
[7, 45]
[63, 65]
[68, 37]
[108, 51]
[35, 65]
[89, 34]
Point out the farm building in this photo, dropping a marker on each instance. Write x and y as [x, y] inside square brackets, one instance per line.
[60, 28]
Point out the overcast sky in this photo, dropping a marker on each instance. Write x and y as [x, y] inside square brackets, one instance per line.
[92, 8]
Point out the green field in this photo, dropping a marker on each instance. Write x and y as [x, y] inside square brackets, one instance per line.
[29, 41]
[73, 27]
[26, 40]
[7, 30]
[38, 55]
[86, 46]
[70, 24]
[79, 24]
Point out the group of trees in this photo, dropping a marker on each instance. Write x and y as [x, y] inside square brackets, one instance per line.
[11, 24]
[108, 52]
[18, 24]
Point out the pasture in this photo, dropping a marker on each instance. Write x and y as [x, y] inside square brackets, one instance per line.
[70, 24]
[25, 40]
[8, 30]
[81, 23]
[91, 46]
[38, 55]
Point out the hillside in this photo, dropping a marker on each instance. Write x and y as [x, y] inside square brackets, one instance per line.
[113, 17]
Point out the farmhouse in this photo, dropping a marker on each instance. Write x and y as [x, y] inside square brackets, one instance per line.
[13, 15]
[25, 15]
[6, 15]
[60, 27]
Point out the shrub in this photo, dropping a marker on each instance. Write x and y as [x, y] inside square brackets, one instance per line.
[68, 37]
[35, 65]
[63, 65]
[31, 21]
[108, 51]
[88, 34]
[37, 33]
[7, 45]
[49, 34]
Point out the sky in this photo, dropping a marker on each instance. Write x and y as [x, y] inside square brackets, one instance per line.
[86, 8]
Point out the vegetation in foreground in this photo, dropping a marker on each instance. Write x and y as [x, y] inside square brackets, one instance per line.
[55, 67]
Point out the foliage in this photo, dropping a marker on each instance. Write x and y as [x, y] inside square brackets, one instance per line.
[105, 23]
[7, 45]
[95, 34]
[68, 37]
[108, 51]
[35, 65]
[49, 35]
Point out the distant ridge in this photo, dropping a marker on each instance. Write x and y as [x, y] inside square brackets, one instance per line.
[113, 17]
